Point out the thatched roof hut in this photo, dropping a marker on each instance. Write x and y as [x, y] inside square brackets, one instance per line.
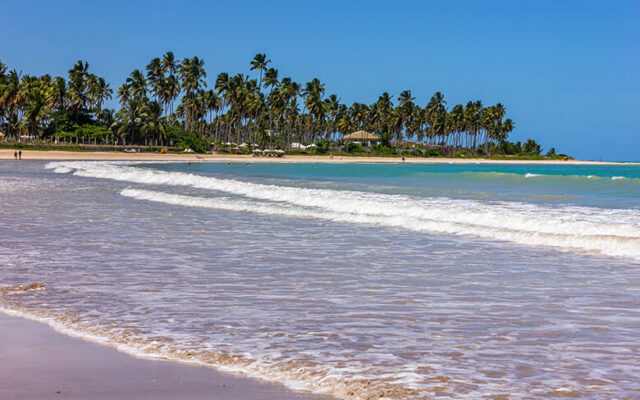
[362, 137]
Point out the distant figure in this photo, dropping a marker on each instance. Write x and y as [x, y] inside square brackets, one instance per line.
[402, 158]
[20, 155]
[248, 164]
[15, 155]
[331, 156]
[228, 164]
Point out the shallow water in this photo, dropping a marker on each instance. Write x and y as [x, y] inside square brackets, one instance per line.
[405, 281]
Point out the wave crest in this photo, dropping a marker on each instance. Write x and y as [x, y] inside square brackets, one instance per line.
[605, 231]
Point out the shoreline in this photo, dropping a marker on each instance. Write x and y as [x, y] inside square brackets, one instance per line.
[37, 361]
[56, 155]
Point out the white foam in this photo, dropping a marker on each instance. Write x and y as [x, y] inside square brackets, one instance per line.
[301, 379]
[605, 231]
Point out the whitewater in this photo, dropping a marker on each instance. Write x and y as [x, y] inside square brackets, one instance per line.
[609, 232]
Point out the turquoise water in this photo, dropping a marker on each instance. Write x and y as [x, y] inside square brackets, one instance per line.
[357, 281]
[601, 185]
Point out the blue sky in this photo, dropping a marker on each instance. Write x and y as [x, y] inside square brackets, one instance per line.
[567, 71]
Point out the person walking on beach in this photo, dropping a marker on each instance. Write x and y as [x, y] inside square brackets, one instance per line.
[20, 155]
[15, 155]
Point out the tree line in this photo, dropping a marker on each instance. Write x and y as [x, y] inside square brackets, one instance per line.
[171, 98]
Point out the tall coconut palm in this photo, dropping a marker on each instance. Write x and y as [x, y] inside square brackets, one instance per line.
[313, 92]
[169, 65]
[100, 91]
[192, 74]
[155, 77]
[78, 89]
[435, 115]
[10, 101]
[137, 84]
[259, 63]
[271, 79]
[169, 92]
[152, 125]
[124, 93]
[405, 112]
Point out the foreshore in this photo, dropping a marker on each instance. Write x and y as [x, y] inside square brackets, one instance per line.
[36, 362]
[54, 155]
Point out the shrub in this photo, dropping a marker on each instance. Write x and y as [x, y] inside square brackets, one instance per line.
[186, 140]
[433, 153]
[381, 149]
[322, 146]
[352, 147]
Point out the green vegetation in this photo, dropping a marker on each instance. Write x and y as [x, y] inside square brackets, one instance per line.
[168, 104]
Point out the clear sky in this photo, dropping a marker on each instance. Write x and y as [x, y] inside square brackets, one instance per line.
[567, 71]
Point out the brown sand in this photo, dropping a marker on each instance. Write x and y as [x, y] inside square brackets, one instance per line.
[36, 362]
[95, 155]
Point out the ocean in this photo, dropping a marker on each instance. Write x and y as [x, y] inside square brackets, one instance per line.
[361, 281]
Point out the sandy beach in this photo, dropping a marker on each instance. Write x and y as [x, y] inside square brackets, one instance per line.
[36, 362]
[121, 156]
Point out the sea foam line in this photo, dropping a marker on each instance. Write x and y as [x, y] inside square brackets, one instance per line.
[298, 378]
[606, 245]
[520, 223]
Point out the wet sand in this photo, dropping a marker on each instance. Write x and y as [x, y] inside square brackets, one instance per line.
[122, 156]
[36, 362]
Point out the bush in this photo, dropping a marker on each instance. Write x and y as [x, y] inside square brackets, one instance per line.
[322, 146]
[433, 153]
[381, 149]
[352, 147]
[186, 140]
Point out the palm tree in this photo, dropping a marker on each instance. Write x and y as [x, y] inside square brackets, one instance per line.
[405, 112]
[271, 79]
[137, 84]
[259, 63]
[168, 64]
[78, 93]
[313, 92]
[155, 77]
[332, 110]
[34, 95]
[169, 92]
[100, 92]
[192, 74]
[238, 108]
[457, 124]
[124, 93]
[57, 100]
[435, 115]
[130, 118]
[152, 125]
[10, 100]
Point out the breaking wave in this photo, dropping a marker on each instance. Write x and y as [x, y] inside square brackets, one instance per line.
[605, 231]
